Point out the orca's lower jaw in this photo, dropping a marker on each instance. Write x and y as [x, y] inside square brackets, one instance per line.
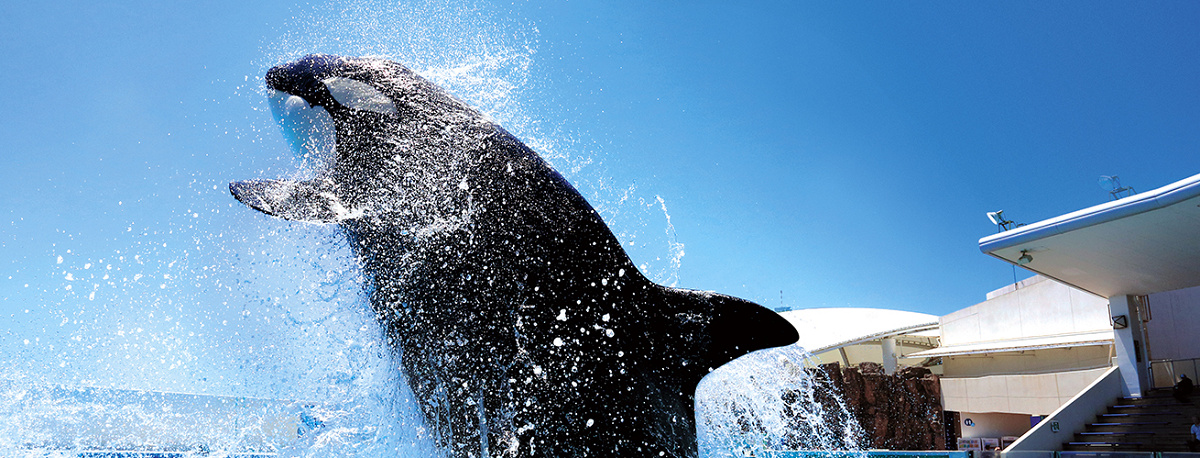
[309, 131]
[309, 195]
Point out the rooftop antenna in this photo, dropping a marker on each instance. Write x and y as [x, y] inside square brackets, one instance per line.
[1112, 184]
[782, 308]
[1004, 224]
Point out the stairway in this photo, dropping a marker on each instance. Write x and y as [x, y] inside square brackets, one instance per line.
[1156, 422]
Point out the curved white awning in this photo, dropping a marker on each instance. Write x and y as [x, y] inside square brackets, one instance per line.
[824, 329]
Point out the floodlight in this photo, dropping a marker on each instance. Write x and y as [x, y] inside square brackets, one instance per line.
[1001, 223]
[995, 217]
[1025, 258]
[1109, 183]
[1112, 184]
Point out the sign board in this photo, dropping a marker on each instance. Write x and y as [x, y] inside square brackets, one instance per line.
[966, 443]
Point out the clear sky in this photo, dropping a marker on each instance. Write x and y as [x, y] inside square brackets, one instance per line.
[803, 154]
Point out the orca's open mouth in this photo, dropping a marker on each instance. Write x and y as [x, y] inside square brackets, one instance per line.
[308, 129]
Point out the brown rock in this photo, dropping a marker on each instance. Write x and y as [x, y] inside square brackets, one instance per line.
[913, 372]
[870, 368]
[897, 412]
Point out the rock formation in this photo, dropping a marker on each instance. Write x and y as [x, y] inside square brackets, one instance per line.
[896, 412]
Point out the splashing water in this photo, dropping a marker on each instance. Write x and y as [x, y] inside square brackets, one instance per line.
[470, 48]
[768, 401]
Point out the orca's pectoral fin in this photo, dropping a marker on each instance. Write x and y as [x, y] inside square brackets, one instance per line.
[306, 201]
[739, 327]
[728, 327]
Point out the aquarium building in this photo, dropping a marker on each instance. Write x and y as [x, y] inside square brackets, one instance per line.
[1138, 257]
[1111, 318]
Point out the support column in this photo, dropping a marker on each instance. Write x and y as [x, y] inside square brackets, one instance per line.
[890, 359]
[1129, 345]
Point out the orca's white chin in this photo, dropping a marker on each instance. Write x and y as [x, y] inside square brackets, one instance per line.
[309, 131]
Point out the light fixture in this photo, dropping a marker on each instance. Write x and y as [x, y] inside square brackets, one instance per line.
[1120, 322]
[1025, 258]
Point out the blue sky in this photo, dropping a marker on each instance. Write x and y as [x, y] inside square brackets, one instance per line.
[807, 154]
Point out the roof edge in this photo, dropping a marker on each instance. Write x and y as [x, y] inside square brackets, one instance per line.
[878, 335]
[1165, 196]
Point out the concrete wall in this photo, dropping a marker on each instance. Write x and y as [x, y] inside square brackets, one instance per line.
[1072, 416]
[994, 425]
[1041, 308]
[1129, 344]
[1029, 394]
[1174, 330]
[1033, 382]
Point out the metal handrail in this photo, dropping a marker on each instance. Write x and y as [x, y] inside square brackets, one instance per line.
[1172, 369]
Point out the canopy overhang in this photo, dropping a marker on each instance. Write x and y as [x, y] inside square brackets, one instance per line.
[1019, 345]
[1142, 244]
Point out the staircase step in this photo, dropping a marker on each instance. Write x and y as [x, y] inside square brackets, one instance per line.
[1128, 429]
[1140, 414]
[1133, 423]
[1166, 397]
[1161, 394]
[1157, 422]
[1154, 405]
[1105, 444]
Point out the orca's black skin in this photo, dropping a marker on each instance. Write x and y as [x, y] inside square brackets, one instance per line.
[515, 310]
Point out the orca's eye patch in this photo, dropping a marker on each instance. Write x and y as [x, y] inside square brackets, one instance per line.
[359, 95]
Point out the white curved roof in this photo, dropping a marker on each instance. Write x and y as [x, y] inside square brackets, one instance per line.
[822, 329]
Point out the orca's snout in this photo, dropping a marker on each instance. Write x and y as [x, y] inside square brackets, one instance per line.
[303, 77]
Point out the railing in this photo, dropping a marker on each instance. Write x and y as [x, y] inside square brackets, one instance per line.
[1127, 455]
[972, 454]
[1164, 372]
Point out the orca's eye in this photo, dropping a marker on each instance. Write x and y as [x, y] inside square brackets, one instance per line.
[359, 95]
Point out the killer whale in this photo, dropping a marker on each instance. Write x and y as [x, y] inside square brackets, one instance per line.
[523, 327]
